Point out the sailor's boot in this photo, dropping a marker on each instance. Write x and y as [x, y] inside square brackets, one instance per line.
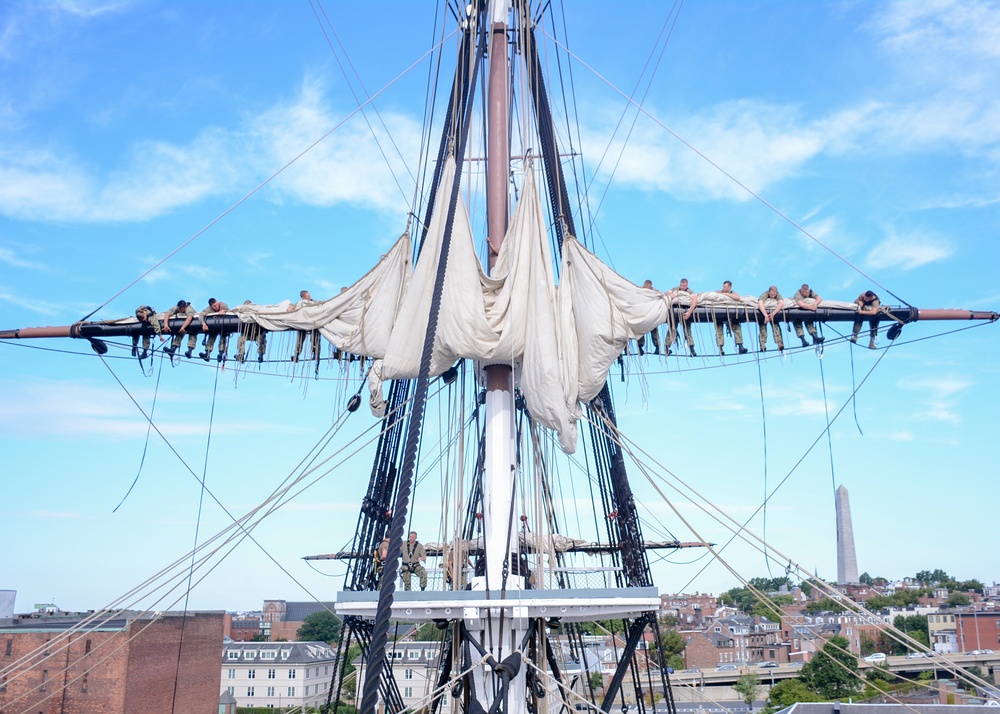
[871, 344]
[817, 340]
[203, 355]
[804, 343]
[741, 349]
[188, 353]
[135, 350]
[691, 349]
[170, 350]
[144, 355]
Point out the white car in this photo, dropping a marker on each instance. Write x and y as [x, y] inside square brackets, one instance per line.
[916, 655]
[979, 652]
[876, 657]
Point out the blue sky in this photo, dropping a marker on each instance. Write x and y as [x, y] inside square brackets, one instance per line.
[126, 128]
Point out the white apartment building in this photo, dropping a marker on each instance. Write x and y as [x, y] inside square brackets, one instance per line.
[277, 674]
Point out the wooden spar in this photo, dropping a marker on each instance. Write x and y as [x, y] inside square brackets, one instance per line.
[229, 324]
[589, 548]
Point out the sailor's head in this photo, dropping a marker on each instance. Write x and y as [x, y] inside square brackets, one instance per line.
[772, 291]
[413, 537]
[804, 289]
[304, 294]
[181, 304]
[142, 314]
[648, 284]
[727, 286]
[684, 283]
[248, 302]
[869, 294]
[215, 305]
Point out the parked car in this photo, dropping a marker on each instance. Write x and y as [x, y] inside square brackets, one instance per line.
[692, 670]
[726, 668]
[768, 665]
[876, 657]
[916, 655]
[979, 652]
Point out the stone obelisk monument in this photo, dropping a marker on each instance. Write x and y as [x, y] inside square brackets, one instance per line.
[847, 559]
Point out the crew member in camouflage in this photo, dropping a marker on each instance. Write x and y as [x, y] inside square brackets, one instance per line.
[215, 307]
[801, 298]
[770, 304]
[147, 315]
[251, 331]
[181, 309]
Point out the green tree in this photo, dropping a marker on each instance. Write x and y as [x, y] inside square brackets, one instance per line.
[913, 625]
[767, 609]
[833, 672]
[827, 604]
[868, 644]
[259, 637]
[748, 686]
[595, 680]
[669, 648]
[321, 626]
[806, 587]
[958, 598]
[974, 585]
[866, 579]
[932, 577]
[788, 692]
[668, 620]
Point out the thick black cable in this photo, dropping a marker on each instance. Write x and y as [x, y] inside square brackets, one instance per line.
[390, 569]
[763, 423]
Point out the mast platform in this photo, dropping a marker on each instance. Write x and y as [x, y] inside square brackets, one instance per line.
[577, 605]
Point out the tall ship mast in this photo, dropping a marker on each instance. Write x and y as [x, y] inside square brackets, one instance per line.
[525, 333]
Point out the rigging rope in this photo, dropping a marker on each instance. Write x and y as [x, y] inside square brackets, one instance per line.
[145, 446]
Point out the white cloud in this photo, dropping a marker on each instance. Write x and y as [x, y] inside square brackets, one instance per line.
[908, 252]
[42, 307]
[158, 177]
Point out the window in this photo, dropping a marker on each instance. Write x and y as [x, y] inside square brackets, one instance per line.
[250, 654]
[45, 680]
[432, 653]
[232, 674]
[86, 647]
[83, 684]
[48, 649]
[408, 674]
[10, 647]
[251, 674]
[326, 670]
[233, 654]
[231, 690]
[268, 654]
[397, 655]
[3, 684]
[291, 674]
[285, 654]
[249, 691]
[408, 692]
[413, 654]
[270, 691]
[291, 691]
[272, 673]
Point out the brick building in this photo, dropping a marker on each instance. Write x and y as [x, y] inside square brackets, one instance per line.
[130, 664]
[739, 639]
[281, 619]
[976, 630]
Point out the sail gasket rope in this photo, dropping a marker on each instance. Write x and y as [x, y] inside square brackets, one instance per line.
[380, 628]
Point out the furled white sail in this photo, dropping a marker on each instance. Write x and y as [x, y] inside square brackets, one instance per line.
[561, 341]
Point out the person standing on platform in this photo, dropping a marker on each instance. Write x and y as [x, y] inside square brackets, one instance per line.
[413, 558]
[807, 299]
[733, 321]
[770, 304]
[215, 307]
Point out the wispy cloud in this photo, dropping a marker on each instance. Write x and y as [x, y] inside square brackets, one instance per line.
[158, 177]
[14, 260]
[41, 307]
[938, 398]
[909, 251]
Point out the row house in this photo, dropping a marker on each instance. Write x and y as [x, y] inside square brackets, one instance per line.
[690, 610]
[738, 639]
[805, 633]
[941, 630]
[977, 630]
[278, 675]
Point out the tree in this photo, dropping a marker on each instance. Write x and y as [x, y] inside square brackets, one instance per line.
[775, 602]
[669, 647]
[868, 644]
[321, 626]
[827, 604]
[748, 686]
[833, 672]
[958, 598]
[806, 587]
[259, 637]
[866, 579]
[788, 692]
[932, 577]
[973, 585]
[913, 625]
[595, 680]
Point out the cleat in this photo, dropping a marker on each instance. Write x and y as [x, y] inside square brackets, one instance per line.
[144, 355]
[135, 350]
[203, 355]
[741, 349]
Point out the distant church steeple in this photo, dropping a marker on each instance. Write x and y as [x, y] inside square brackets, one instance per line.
[847, 559]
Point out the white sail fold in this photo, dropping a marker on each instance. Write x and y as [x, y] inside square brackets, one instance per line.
[561, 341]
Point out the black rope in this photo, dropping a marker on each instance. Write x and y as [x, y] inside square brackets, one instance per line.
[145, 446]
[390, 569]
